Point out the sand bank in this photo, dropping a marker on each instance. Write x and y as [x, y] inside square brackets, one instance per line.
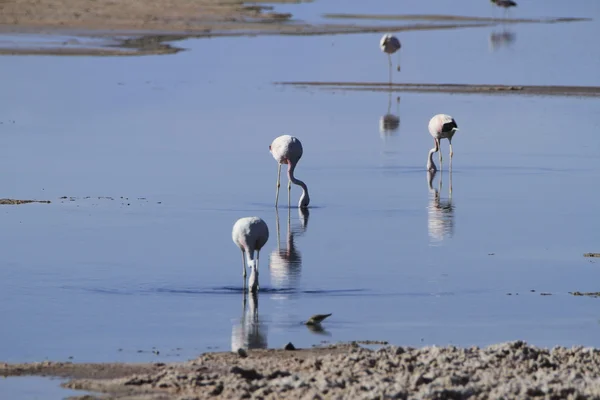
[509, 370]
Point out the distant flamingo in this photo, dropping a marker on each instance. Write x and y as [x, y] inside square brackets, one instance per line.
[287, 149]
[250, 234]
[390, 44]
[441, 126]
[506, 4]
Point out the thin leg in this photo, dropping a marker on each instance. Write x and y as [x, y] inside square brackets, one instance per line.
[278, 184]
[256, 264]
[278, 229]
[289, 192]
[450, 191]
[451, 152]
[244, 266]
[439, 149]
[390, 64]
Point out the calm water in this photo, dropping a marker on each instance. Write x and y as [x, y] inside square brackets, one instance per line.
[184, 139]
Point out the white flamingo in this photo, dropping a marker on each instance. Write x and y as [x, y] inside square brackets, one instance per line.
[287, 149]
[441, 126]
[390, 44]
[250, 234]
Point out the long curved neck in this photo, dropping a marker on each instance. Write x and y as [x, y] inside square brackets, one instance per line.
[430, 164]
[291, 168]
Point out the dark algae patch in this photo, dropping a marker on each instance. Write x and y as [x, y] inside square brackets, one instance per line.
[589, 294]
[14, 202]
[593, 255]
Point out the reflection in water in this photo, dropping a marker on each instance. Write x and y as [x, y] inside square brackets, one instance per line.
[389, 123]
[249, 333]
[440, 212]
[500, 39]
[286, 264]
[318, 330]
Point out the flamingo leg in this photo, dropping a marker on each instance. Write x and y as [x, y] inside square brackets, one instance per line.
[256, 266]
[450, 191]
[289, 192]
[278, 184]
[244, 267]
[390, 64]
[451, 152]
[438, 146]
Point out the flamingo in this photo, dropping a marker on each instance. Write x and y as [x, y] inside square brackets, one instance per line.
[287, 149]
[250, 234]
[390, 44]
[506, 4]
[441, 126]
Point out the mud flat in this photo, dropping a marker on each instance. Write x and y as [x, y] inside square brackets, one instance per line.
[528, 90]
[508, 370]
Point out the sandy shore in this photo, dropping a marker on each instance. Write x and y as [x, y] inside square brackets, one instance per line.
[512, 370]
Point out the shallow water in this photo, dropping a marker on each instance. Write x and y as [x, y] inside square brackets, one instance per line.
[184, 139]
[33, 388]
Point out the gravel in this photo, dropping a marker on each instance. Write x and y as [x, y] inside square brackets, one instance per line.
[512, 370]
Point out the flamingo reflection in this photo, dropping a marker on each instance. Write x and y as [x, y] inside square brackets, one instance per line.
[389, 123]
[440, 212]
[500, 39]
[249, 333]
[286, 264]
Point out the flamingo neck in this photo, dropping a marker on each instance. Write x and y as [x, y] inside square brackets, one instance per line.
[430, 164]
[253, 280]
[305, 198]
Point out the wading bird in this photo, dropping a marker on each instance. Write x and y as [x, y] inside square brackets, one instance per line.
[287, 149]
[506, 4]
[390, 44]
[317, 319]
[441, 126]
[250, 234]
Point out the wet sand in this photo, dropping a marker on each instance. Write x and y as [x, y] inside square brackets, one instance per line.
[508, 370]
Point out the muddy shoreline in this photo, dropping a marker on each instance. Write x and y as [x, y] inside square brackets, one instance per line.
[456, 88]
[507, 370]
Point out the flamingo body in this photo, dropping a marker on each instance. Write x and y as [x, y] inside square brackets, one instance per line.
[504, 3]
[288, 150]
[250, 234]
[389, 44]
